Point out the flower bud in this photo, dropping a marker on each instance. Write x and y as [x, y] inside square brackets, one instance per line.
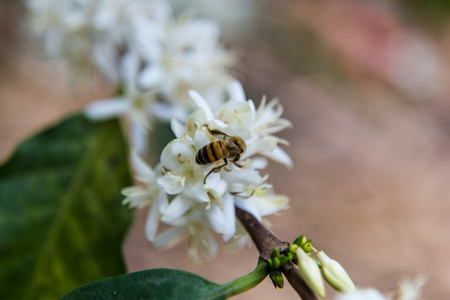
[300, 240]
[277, 279]
[335, 274]
[276, 263]
[310, 272]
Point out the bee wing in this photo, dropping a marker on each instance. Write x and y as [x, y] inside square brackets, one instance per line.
[219, 134]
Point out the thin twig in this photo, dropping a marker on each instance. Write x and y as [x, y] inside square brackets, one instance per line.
[266, 242]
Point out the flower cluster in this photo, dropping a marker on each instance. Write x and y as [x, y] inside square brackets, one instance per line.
[154, 57]
[198, 199]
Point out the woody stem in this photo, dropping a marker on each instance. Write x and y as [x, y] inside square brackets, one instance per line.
[266, 242]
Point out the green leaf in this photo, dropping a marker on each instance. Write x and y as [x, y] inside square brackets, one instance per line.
[61, 218]
[166, 284]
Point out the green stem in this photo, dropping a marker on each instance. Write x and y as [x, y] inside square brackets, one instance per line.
[243, 283]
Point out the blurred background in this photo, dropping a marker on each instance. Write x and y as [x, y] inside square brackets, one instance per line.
[366, 86]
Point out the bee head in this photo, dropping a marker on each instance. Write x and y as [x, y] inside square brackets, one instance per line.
[240, 144]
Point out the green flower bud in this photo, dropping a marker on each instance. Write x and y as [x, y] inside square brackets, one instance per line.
[279, 281]
[275, 253]
[335, 274]
[284, 260]
[307, 247]
[310, 272]
[293, 248]
[300, 240]
[277, 278]
[275, 263]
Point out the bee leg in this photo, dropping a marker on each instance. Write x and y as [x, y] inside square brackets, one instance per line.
[215, 170]
[236, 163]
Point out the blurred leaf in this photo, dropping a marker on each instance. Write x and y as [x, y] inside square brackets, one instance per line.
[61, 218]
[166, 284]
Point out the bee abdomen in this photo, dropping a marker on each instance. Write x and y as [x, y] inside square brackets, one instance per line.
[210, 153]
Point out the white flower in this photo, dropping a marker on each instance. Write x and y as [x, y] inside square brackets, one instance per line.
[134, 103]
[94, 32]
[407, 290]
[362, 294]
[199, 234]
[214, 195]
[187, 56]
[411, 289]
[147, 193]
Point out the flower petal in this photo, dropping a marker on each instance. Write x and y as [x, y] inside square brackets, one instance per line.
[106, 108]
[248, 206]
[170, 237]
[270, 203]
[280, 156]
[177, 128]
[176, 208]
[151, 224]
[216, 218]
[236, 91]
[230, 217]
[201, 103]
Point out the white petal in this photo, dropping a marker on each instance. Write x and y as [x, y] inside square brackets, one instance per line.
[270, 204]
[212, 181]
[162, 201]
[216, 218]
[201, 103]
[141, 168]
[236, 91]
[215, 183]
[196, 191]
[266, 145]
[259, 163]
[248, 206]
[201, 139]
[139, 137]
[129, 67]
[243, 177]
[170, 237]
[170, 184]
[176, 208]
[106, 108]
[280, 156]
[151, 225]
[230, 216]
[167, 111]
[151, 77]
[177, 128]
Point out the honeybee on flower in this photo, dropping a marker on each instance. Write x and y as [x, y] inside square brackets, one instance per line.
[204, 195]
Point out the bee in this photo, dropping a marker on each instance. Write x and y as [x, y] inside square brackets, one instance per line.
[225, 148]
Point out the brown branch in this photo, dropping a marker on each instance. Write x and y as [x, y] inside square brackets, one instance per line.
[266, 242]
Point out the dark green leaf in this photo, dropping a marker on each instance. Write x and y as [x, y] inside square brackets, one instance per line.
[165, 284]
[61, 218]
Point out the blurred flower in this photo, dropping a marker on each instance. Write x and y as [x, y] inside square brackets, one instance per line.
[362, 294]
[134, 104]
[407, 290]
[88, 32]
[411, 289]
[187, 56]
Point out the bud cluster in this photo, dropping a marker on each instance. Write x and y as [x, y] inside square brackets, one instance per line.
[314, 270]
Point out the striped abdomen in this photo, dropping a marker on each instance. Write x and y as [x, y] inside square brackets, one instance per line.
[211, 153]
